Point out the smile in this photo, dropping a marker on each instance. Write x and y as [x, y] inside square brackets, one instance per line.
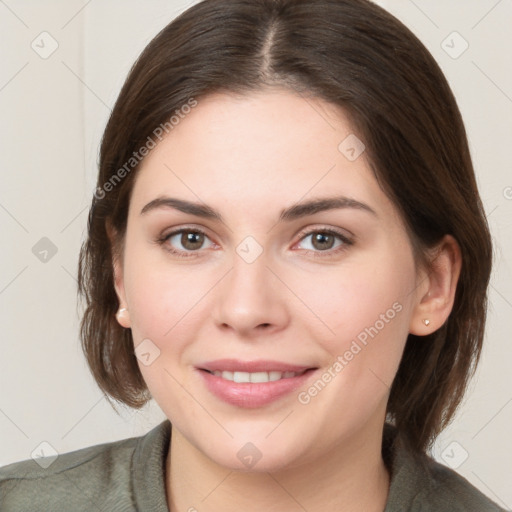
[253, 384]
[257, 377]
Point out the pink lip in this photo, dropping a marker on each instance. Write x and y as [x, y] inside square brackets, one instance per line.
[252, 395]
[236, 365]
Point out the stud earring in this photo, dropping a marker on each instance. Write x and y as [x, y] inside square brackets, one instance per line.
[123, 318]
[426, 321]
[120, 312]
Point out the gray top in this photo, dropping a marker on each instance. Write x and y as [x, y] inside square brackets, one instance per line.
[128, 475]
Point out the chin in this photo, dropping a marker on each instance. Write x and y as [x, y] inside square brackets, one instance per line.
[257, 456]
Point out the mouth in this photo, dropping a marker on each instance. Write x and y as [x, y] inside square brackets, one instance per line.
[255, 377]
[253, 384]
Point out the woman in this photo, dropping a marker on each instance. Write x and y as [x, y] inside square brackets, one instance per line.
[288, 252]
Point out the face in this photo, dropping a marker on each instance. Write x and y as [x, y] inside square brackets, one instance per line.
[311, 305]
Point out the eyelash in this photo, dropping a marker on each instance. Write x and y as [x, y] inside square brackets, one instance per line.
[317, 254]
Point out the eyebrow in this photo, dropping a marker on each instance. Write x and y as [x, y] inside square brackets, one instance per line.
[294, 212]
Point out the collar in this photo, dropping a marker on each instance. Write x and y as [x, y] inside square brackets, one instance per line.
[409, 482]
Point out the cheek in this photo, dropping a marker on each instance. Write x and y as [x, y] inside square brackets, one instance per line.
[165, 302]
[161, 296]
[352, 298]
[363, 354]
[367, 309]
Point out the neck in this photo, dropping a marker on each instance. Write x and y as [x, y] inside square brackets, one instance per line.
[351, 477]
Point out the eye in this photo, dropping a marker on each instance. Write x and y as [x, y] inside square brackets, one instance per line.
[183, 241]
[188, 242]
[325, 240]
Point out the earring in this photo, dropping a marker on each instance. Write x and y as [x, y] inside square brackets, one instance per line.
[123, 318]
[121, 312]
[426, 321]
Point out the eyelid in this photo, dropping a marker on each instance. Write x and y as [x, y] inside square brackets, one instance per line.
[347, 240]
[343, 233]
[166, 235]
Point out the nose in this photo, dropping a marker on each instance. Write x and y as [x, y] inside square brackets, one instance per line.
[251, 299]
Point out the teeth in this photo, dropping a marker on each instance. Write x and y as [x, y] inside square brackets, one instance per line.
[272, 376]
[257, 377]
[241, 377]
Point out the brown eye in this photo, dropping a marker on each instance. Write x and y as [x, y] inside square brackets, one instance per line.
[191, 240]
[186, 242]
[322, 241]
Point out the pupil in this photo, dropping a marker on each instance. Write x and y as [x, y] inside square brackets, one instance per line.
[192, 240]
[321, 238]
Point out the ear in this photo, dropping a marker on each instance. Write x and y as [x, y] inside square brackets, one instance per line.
[122, 315]
[436, 288]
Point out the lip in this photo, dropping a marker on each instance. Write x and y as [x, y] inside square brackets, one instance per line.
[252, 395]
[236, 365]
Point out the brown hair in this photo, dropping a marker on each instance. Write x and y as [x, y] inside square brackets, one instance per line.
[350, 53]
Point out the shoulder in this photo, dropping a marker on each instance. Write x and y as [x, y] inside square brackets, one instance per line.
[421, 484]
[100, 476]
[448, 490]
[73, 478]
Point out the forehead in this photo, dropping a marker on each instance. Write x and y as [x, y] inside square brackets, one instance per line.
[271, 147]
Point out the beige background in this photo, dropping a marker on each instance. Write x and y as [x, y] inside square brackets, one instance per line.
[53, 112]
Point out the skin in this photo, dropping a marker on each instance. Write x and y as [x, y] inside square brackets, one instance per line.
[249, 157]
